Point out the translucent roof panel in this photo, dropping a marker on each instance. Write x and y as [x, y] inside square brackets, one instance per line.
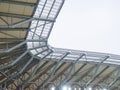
[41, 26]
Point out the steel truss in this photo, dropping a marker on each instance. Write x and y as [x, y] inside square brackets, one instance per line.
[40, 65]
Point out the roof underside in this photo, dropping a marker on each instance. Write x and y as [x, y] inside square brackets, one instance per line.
[27, 62]
[13, 17]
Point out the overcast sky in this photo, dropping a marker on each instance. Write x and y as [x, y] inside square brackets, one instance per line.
[91, 25]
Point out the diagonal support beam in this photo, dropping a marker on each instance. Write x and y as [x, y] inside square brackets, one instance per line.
[94, 76]
[20, 44]
[76, 72]
[115, 80]
[14, 62]
[71, 76]
[4, 21]
[58, 61]
[24, 22]
[3, 74]
[54, 69]
[73, 65]
[59, 74]
[89, 82]
[24, 16]
[105, 78]
[36, 68]
[86, 73]
[41, 73]
[13, 48]
[10, 35]
[37, 76]
[20, 72]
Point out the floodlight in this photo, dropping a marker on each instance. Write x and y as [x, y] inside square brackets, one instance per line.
[89, 88]
[104, 88]
[64, 88]
[69, 88]
[52, 88]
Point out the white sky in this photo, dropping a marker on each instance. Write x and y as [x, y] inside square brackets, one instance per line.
[91, 25]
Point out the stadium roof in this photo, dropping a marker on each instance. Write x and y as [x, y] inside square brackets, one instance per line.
[28, 62]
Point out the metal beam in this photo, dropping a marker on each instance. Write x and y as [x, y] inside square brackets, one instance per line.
[46, 69]
[23, 22]
[20, 72]
[56, 16]
[18, 3]
[76, 72]
[14, 62]
[115, 79]
[39, 16]
[60, 73]
[24, 16]
[28, 84]
[33, 13]
[89, 54]
[15, 15]
[32, 64]
[12, 71]
[47, 15]
[17, 24]
[54, 69]
[13, 48]
[71, 76]
[38, 71]
[94, 75]
[89, 82]
[36, 68]
[113, 82]
[60, 67]
[4, 21]
[3, 74]
[86, 73]
[24, 73]
[105, 78]
[20, 44]
[73, 65]
[6, 57]
[10, 35]
[37, 40]
[42, 73]
[58, 61]
[14, 29]
[12, 40]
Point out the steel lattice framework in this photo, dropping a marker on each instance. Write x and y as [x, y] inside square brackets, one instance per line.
[28, 62]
